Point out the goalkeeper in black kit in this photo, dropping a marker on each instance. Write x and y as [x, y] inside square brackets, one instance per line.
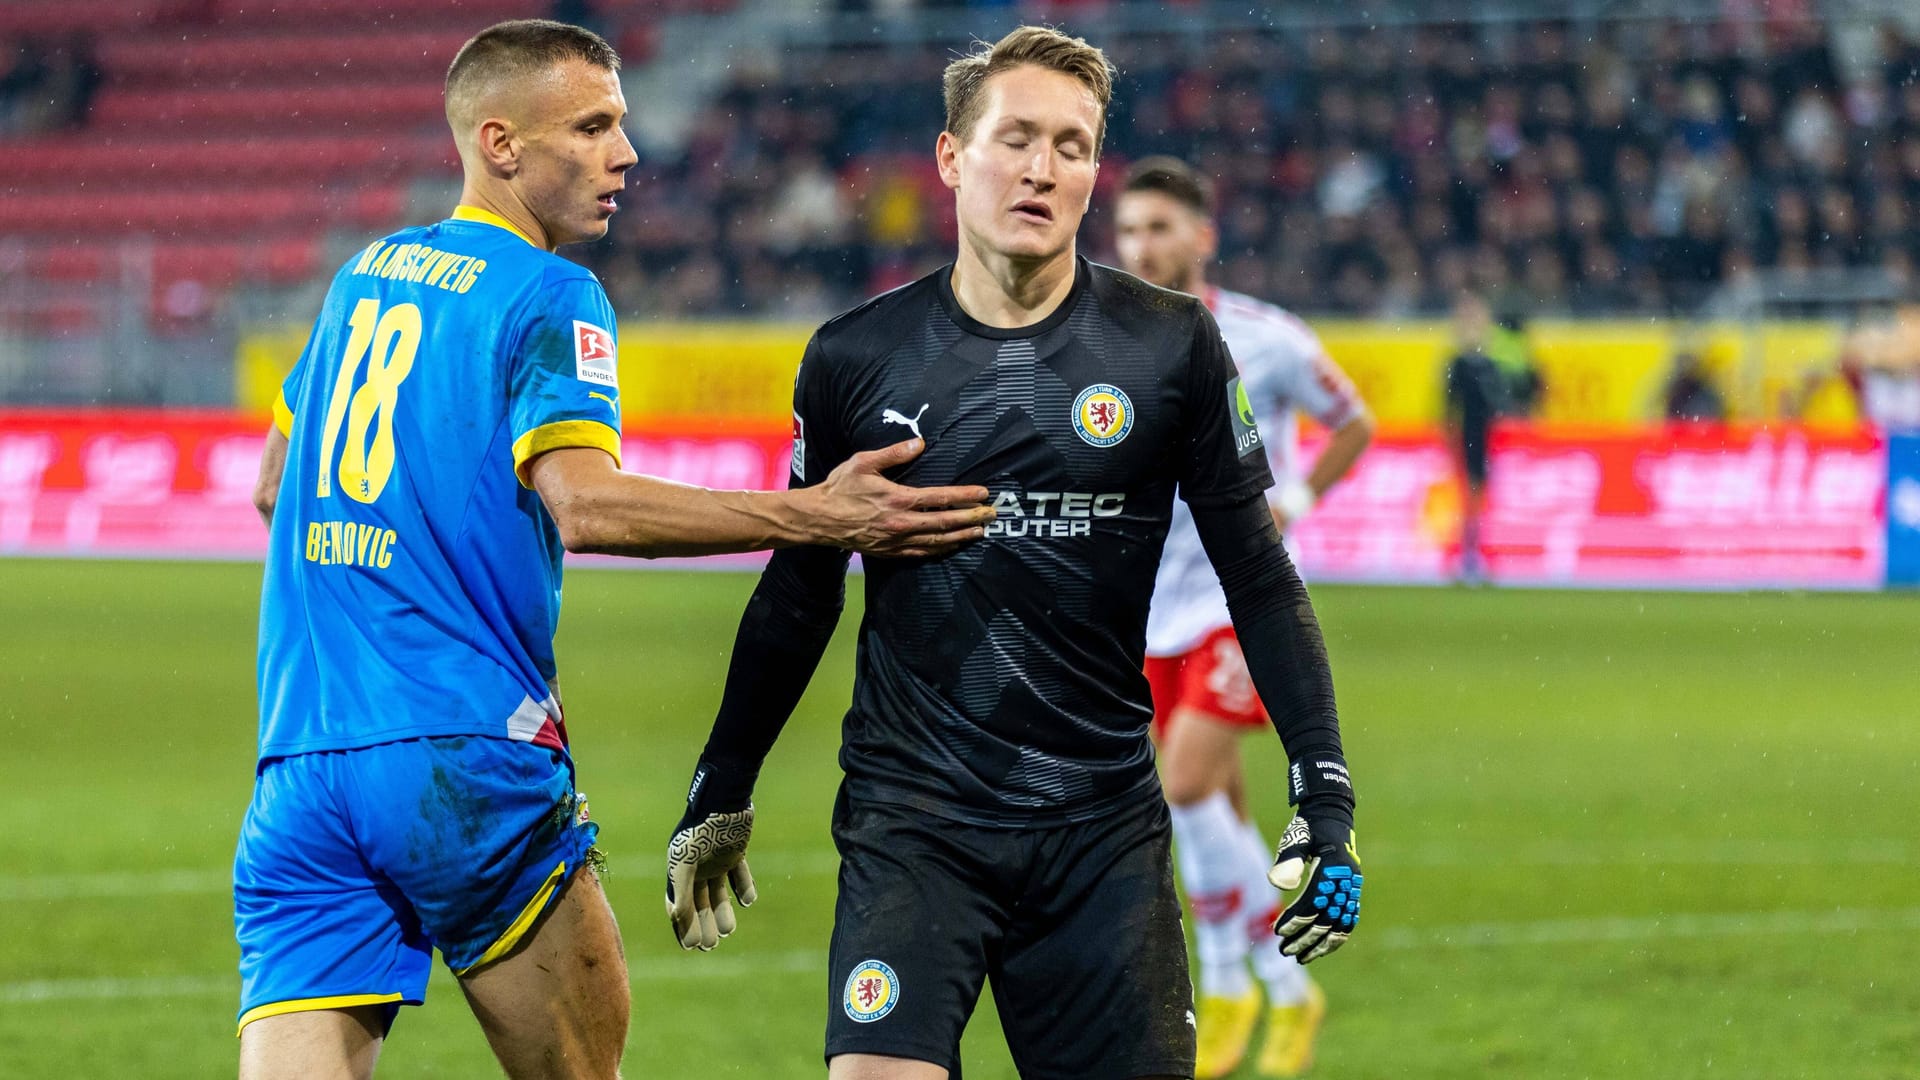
[1000, 819]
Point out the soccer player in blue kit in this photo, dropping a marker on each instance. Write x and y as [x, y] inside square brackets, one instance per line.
[450, 429]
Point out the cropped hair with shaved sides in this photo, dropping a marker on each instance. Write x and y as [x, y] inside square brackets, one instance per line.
[1039, 46]
[1173, 178]
[520, 47]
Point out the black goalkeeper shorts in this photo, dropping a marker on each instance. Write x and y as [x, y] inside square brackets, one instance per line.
[1077, 927]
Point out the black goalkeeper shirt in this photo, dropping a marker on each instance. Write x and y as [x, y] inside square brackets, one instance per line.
[1002, 685]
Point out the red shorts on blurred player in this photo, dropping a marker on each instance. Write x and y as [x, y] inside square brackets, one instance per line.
[1211, 678]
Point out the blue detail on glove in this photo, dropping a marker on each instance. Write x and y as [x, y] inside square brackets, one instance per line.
[1341, 872]
[1346, 920]
[1320, 901]
[1326, 886]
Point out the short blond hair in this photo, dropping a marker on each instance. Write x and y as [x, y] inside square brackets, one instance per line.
[1039, 46]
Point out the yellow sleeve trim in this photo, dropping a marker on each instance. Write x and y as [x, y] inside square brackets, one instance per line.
[561, 435]
[345, 1001]
[463, 212]
[283, 414]
[522, 922]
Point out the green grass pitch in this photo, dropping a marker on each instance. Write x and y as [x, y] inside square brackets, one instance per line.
[1606, 835]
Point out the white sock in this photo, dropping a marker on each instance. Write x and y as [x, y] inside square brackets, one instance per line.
[1209, 854]
[1286, 980]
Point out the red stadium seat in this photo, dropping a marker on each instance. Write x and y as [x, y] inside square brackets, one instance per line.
[50, 318]
[637, 43]
[279, 59]
[377, 207]
[133, 161]
[21, 18]
[228, 138]
[350, 108]
[350, 15]
[291, 261]
[221, 262]
[200, 213]
[70, 262]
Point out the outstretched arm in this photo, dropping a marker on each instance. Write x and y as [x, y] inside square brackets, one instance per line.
[1278, 631]
[782, 635]
[601, 509]
[1287, 658]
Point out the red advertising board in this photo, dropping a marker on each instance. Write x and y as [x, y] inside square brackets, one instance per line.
[180, 484]
[1692, 507]
[129, 483]
[1696, 506]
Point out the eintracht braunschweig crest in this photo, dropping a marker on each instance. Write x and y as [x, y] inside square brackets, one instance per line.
[1102, 414]
[871, 991]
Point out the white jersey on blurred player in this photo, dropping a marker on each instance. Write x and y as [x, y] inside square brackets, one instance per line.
[1284, 368]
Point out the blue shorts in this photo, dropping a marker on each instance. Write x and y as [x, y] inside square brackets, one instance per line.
[354, 865]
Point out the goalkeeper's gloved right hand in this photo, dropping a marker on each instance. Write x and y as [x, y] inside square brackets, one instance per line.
[708, 852]
[1317, 868]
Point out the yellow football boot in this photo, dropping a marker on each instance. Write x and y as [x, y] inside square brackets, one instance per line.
[1223, 1026]
[1291, 1031]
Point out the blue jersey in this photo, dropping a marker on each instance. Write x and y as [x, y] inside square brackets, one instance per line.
[413, 578]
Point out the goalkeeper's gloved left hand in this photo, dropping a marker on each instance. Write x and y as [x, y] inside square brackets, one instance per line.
[1317, 868]
[708, 852]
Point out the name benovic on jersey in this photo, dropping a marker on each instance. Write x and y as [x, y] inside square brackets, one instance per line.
[1052, 513]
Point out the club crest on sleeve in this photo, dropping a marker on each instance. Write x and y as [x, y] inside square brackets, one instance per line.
[593, 355]
[1102, 415]
[871, 993]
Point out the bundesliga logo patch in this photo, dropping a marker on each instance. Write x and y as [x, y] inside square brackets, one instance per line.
[1246, 435]
[593, 356]
[1102, 415]
[799, 447]
[872, 991]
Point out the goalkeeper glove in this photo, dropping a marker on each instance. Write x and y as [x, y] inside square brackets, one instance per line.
[1317, 869]
[707, 854]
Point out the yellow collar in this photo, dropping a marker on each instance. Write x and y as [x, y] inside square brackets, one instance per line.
[463, 212]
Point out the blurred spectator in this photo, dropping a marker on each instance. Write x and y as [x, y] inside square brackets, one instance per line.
[1350, 182]
[809, 209]
[1811, 128]
[47, 88]
[1890, 396]
[1881, 364]
[23, 76]
[1874, 379]
[1690, 393]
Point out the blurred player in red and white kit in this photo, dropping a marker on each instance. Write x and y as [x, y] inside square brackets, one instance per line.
[1203, 698]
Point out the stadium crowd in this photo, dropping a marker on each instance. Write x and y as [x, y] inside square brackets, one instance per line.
[1626, 167]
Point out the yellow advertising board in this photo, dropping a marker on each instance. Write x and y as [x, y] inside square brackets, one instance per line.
[739, 371]
[680, 371]
[1608, 373]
